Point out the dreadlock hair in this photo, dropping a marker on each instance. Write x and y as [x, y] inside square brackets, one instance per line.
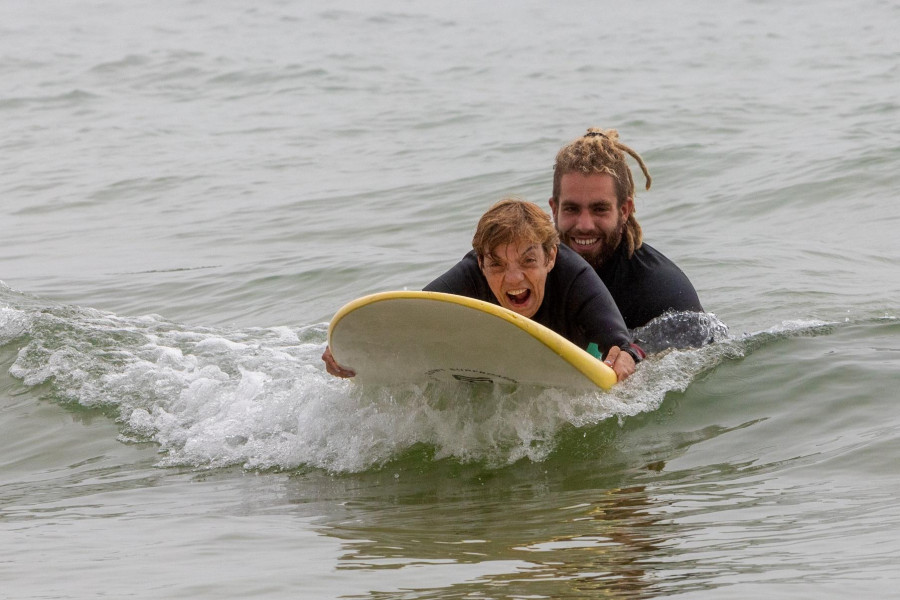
[600, 151]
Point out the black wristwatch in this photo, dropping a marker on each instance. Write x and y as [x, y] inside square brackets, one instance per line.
[636, 352]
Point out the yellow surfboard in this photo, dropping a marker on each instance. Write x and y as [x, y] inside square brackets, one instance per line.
[399, 337]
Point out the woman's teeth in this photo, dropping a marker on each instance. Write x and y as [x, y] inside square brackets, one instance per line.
[518, 296]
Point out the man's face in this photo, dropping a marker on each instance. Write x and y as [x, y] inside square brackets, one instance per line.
[587, 217]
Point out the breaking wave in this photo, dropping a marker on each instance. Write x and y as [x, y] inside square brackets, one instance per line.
[259, 397]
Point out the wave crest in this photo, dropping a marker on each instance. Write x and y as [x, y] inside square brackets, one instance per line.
[259, 398]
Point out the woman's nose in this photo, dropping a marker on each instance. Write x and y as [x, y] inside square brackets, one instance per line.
[513, 274]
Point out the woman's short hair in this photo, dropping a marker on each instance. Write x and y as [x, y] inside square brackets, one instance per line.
[514, 221]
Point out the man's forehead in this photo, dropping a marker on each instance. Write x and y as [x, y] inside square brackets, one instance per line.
[595, 184]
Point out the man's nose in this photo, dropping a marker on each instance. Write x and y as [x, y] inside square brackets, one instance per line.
[584, 222]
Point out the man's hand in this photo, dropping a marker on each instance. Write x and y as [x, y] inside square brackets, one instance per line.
[338, 371]
[621, 362]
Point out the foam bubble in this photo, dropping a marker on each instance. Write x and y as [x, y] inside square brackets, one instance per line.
[13, 324]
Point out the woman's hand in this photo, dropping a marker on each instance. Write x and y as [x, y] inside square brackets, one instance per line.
[337, 370]
[620, 362]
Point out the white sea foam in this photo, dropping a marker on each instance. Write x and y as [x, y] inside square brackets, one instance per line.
[13, 324]
[259, 397]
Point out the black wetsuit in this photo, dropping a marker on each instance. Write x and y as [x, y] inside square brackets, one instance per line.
[647, 285]
[576, 304]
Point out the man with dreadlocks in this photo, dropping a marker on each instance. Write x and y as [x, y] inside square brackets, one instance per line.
[593, 208]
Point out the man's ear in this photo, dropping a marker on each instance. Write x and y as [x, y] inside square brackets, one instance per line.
[627, 208]
[554, 206]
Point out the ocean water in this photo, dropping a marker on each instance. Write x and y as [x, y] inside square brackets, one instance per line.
[190, 190]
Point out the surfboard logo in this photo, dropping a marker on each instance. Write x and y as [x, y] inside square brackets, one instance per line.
[470, 379]
[468, 376]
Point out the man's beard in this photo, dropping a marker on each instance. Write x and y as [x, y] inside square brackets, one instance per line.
[609, 244]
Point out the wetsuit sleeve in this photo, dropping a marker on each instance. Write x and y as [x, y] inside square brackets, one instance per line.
[463, 279]
[448, 283]
[672, 290]
[647, 285]
[593, 308]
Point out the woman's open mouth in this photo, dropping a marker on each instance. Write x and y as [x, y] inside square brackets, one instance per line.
[519, 298]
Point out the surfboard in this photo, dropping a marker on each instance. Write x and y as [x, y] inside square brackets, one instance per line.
[418, 337]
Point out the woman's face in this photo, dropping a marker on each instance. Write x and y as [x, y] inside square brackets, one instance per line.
[517, 275]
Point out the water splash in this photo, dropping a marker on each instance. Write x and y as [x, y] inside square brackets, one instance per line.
[680, 330]
[259, 397]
